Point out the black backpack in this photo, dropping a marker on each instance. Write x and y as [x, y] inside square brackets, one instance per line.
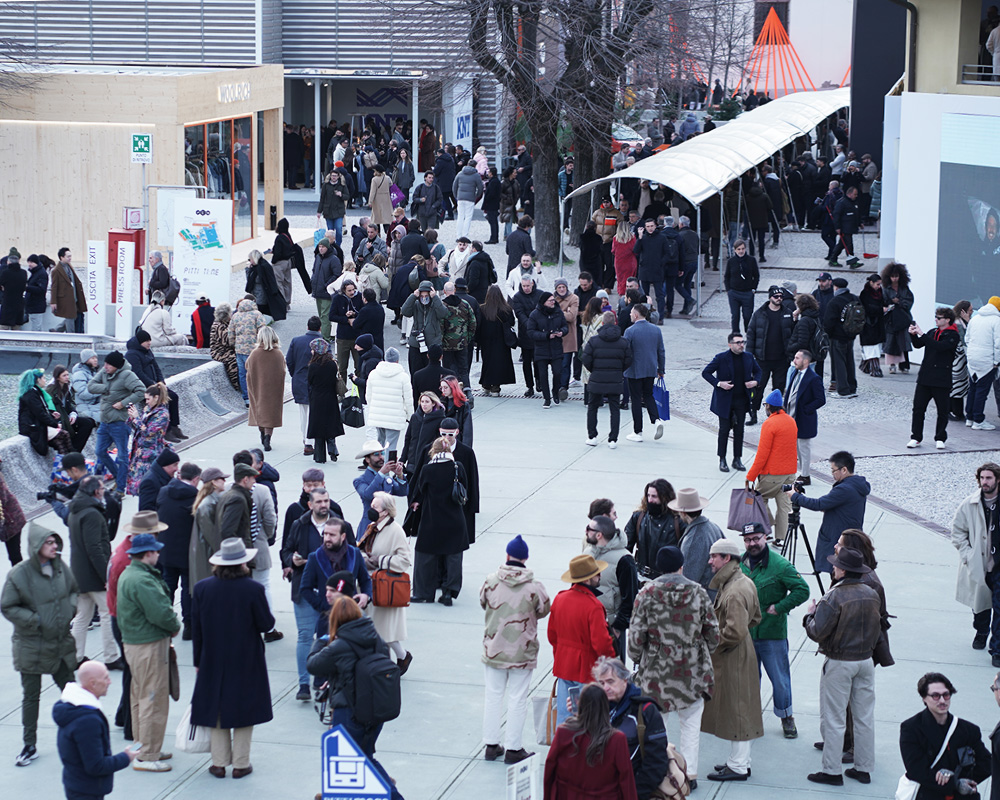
[820, 344]
[671, 250]
[853, 317]
[377, 696]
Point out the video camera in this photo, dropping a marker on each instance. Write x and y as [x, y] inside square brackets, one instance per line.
[797, 486]
[49, 495]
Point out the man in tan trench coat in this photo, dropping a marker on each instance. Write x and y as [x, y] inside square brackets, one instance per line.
[975, 527]
[734, 711]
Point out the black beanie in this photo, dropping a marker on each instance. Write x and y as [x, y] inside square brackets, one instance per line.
[115, 359]
[142, 335]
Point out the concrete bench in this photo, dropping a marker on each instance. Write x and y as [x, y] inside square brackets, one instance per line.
[28, 473]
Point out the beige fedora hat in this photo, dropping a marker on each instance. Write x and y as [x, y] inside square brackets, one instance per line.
[145, 522]
[688, 500]
[583, 568]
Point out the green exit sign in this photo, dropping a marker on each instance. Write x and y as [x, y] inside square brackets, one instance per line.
[142, 148]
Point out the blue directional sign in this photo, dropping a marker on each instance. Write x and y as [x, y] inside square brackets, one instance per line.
[347, 774]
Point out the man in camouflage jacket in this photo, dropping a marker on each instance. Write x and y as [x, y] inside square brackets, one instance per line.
[514, 602]
[672, 636]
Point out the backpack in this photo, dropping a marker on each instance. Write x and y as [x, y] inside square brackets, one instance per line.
[377, 697]
[671, 252]
[173, 292]
[819, 346]
[853, 317]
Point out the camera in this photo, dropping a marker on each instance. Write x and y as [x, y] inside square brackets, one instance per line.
[421, 341]
[48, 496]
[51, 494]
[797, 486]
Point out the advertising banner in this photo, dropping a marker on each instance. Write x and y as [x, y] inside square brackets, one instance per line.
[203, 240]
[95, 286]
[125, 269]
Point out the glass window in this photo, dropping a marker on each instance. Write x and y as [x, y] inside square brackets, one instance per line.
[218, 162]
[243, 183]
[220, 157]
[194, 155]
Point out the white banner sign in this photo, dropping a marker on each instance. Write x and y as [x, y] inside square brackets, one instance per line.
[96, 287]
[203, 240]
[125, 269]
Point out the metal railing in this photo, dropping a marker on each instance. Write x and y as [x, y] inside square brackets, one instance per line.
[979, 75]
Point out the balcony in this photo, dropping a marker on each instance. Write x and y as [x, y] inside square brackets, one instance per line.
[978, 75]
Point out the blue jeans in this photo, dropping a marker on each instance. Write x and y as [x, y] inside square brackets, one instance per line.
[661, 291]
[562, 694]
[337, 226]
[364, 739]
[241, 368]
[773, 655]
[738, 302]
[305, 620]
[117, 432]
[567, 370]
[979, 391]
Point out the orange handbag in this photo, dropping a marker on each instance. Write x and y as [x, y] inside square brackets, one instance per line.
[390, 589]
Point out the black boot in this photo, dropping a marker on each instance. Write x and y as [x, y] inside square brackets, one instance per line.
[738, 465]
[266, 438]
[261, 435]
[723, 466]
[331, 446]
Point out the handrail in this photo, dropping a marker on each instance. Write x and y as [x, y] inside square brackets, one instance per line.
[979, 75]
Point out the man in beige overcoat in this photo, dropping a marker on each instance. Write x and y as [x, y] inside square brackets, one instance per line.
[734, 712]
[975, 532]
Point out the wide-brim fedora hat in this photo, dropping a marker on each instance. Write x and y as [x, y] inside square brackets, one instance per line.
[233, 552]
[849, 561]
[688, 500]
[583, 568]
[145, 522]
[369, 448]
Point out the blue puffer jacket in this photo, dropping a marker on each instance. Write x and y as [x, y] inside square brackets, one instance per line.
[84, 743]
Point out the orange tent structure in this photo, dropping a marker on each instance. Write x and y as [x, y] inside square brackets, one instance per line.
[774, 66]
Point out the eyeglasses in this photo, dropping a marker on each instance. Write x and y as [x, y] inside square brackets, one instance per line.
[755, 538]
[737, 341]
[940, 695]
[449, 434]
[593, 530]
[994, 687]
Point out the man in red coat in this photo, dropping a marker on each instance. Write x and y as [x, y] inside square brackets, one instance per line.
[578, 629]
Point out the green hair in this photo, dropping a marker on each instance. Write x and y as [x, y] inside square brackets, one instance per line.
[27, 381]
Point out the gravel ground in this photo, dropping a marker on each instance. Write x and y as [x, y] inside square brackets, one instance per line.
[8, 410]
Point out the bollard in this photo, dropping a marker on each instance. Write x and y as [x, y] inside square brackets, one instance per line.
[274, 218]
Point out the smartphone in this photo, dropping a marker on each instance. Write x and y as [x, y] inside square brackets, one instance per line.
[574, 696]
[136, 747]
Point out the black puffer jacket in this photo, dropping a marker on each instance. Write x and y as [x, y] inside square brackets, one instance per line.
[143, 363]
[802, 334]
[543, 322]
[522, 305]
[758, 328]
[335, 661]
[606, 357]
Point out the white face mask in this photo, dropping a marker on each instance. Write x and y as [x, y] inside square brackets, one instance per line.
[425, 301]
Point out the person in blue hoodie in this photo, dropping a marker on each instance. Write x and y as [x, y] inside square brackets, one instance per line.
[84, 738]
[335, 555]
[843, 507]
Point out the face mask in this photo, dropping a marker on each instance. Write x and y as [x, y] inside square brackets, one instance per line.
[425, 301]
[373, 515]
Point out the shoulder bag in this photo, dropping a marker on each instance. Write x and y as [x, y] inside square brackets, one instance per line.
[390, 589]
[675, 784]
[907, 789]
[459, 493]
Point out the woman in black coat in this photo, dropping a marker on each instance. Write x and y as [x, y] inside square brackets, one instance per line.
[456, 406]
[229, 615]
[807, 322]
[491, 337]
[442, 535]
[79, 428]
[34, 290]
[13, 279]
[898, 302]
[324, 404]
[422, 429]
[491, 205]
[873, 334]
[37, 416]
[965, 759]
[591, 256]
[262, 284]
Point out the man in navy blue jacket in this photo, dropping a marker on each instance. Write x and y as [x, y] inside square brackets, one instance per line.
[648, 363]
[734, 374]
[297, 361]
[84, 738]
[804, 396]
[333, 556]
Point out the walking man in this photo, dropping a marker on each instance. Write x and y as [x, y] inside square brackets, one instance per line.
[846, 624]
[734, 713]
[514, 602]
[648, 363]
[767, 338]
[297, 360]
[671, 639]
[775, 463]
[734, 373]
[606, 357]
[838, 325]
[975, 533]
[39, 600]
[780, 588]
[147, 621]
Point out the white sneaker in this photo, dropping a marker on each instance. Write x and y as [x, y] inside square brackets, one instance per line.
[575, 384]
[983, 426]
[592, 442]
[913, 443]
[151, 766]
[939, 445]
[659, 429]
[612, 445]
[634, 437]
[969, 423]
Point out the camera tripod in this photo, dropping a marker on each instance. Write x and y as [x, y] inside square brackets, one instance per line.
[788, 547]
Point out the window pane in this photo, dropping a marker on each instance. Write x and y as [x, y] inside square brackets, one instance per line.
[194, 155]
[220, 150]
[243, 183]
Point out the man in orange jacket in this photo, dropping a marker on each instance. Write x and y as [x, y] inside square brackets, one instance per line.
[578, 629]
[776, 462]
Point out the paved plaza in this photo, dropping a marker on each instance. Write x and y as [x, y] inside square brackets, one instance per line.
[537, 479]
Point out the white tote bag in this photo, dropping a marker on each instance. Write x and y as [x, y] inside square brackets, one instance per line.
[191, 738]
[907, 789]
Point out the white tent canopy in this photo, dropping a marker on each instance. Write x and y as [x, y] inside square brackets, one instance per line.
[703, 166]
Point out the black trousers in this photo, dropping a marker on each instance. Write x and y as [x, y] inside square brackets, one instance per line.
[83, 428]
[458, 362]
[922, 395]
[735, 423]
[844, 242]
[427, 574]
[842, 355]
[594, 402]
[542, 368]
[173, 576]
[493, 217]
[641, 390]
[776, 371]
[829, 235]
[13, 545]
[607, 280]
[415, 359]
[172, 410]
[529, 369]
[123, 716]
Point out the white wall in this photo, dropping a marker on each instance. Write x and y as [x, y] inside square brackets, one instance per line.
[890, 177]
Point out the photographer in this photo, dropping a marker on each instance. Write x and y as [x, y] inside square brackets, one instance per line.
[75, 466]
[428, 312]
[843, 507]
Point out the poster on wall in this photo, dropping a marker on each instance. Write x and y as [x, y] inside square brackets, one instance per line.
[968, 254]
[203, 239]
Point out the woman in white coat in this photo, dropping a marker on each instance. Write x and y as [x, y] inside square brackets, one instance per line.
[385, 547]
[389, 397]
[156, 322]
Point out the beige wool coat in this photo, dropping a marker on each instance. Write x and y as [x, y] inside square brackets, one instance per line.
[734, 711]
[389, 550]
[969, 535]
[380, 200]
[266, 387]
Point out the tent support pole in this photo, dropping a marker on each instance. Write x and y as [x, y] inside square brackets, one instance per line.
[698, 269]
[562, 227]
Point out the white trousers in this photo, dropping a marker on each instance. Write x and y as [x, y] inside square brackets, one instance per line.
[263, 577]
[516, 682]
[304, 420]
[86, 602]
[803, 448]
[464, 216]
[739, 757]
[690, 743]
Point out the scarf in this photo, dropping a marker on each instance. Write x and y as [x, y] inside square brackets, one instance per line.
[47, 400]
[939, 331]
[336, 557]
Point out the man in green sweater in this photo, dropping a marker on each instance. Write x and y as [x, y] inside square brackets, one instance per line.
[147, 621]
[780, 588]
